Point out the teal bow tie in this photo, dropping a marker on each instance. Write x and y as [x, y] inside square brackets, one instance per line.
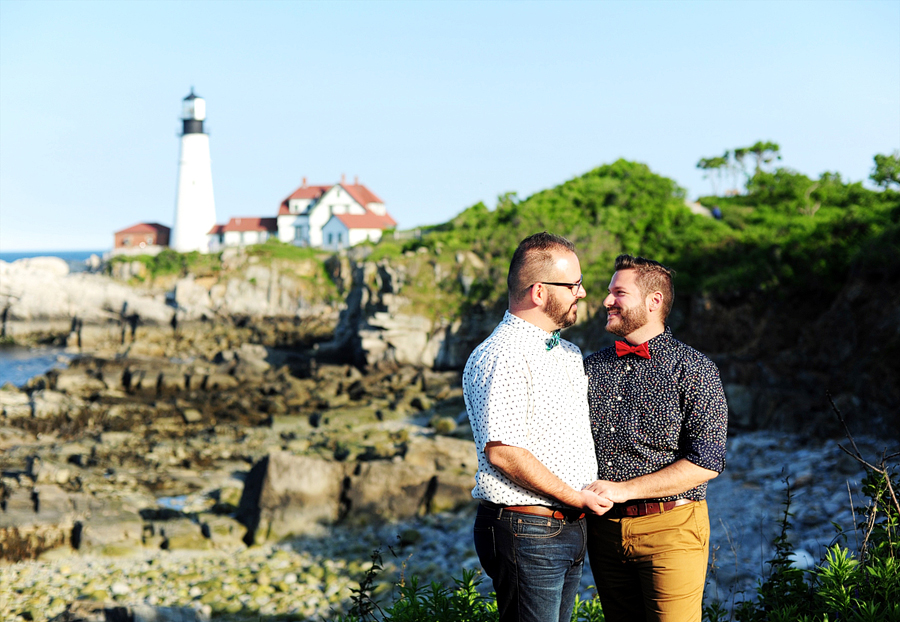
[553, 341]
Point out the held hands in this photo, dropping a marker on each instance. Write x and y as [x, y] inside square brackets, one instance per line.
[593, 502]
[614, 492]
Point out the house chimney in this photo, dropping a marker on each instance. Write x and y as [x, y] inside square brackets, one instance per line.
[343, 179]
[356, 180]
[304, 183]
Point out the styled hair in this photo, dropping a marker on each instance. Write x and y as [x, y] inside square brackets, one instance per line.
[652, 276]
[534, 261]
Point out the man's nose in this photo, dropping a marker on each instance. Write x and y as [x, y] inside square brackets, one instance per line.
[608, 301]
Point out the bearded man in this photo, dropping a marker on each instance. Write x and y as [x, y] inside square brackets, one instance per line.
[658, 418]
[526, 395]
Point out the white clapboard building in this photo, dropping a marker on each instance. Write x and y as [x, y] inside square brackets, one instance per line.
[332, 217]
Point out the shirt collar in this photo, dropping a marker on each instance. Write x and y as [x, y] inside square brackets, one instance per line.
[531, 332]
[661, 342]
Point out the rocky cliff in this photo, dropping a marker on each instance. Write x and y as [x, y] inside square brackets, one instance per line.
[780, 356]
[41, 300]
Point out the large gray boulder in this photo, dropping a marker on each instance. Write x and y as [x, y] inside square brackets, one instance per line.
[287, 494]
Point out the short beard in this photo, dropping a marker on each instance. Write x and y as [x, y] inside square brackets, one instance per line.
[630, 320]
[561, 316]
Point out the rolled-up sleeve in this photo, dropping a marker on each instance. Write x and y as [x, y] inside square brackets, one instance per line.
[705, 411]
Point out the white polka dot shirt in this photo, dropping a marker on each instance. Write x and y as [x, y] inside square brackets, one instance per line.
[521, 394]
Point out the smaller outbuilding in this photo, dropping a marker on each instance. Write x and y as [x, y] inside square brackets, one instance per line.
[146, 238]
[343, 230]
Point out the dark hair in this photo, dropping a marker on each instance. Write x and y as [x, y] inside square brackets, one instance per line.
[652, 276]
[533, 261]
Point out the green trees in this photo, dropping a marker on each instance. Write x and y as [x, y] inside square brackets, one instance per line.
[787, 233]
[887, 170]
[715, 168]
[733, 163]
[764, 152]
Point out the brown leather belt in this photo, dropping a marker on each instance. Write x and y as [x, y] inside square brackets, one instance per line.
[570, 515]
[643, 508]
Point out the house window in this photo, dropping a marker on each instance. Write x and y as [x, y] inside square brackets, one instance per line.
[340, 237]
[330, 238]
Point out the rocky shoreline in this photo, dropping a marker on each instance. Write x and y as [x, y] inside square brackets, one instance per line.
[311, 577]
[151, 479]
[185, 467]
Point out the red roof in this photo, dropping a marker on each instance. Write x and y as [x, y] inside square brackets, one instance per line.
[303, 192]
[363, 195]
[369, 220]
[145, 227]
[216, 230]
[247, 223]
[359, 192]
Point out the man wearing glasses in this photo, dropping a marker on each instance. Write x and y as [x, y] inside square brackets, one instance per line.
[526, 395]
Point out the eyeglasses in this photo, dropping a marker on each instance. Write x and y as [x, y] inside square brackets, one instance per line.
[573, 287]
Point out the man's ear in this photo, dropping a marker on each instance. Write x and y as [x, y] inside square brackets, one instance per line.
[538, 294]
[654, 301]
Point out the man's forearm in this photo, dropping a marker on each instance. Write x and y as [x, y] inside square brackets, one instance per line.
[674, 479]
[524, 469]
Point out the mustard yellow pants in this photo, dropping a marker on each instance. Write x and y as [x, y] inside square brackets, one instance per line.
[651, 568]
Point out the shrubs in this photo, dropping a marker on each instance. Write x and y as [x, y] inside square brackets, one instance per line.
[171, 262]
[438, 603]
[844, 586]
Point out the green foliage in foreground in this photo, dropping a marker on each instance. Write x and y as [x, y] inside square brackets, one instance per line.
[842, 587]
[461, 603]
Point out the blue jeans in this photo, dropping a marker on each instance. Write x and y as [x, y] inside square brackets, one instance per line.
[535, 563]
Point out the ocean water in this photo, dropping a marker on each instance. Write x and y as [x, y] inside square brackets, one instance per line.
[75, 259]
[18, 365]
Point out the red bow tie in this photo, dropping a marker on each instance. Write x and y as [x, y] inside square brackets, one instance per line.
[623, 348]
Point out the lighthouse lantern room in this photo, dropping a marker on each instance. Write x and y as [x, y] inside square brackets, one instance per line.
[195, 210]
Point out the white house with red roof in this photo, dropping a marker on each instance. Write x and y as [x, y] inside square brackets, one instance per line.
[242, 231]
[358, 215]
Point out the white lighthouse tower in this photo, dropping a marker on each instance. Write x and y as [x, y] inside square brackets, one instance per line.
[195, 209]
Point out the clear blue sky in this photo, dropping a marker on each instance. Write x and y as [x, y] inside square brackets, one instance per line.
[434, 105]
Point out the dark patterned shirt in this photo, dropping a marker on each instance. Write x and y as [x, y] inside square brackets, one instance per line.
[647, 414]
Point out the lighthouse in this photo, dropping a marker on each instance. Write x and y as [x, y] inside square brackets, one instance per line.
[195, 209]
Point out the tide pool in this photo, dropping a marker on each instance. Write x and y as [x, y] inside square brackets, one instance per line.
[18, 365]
